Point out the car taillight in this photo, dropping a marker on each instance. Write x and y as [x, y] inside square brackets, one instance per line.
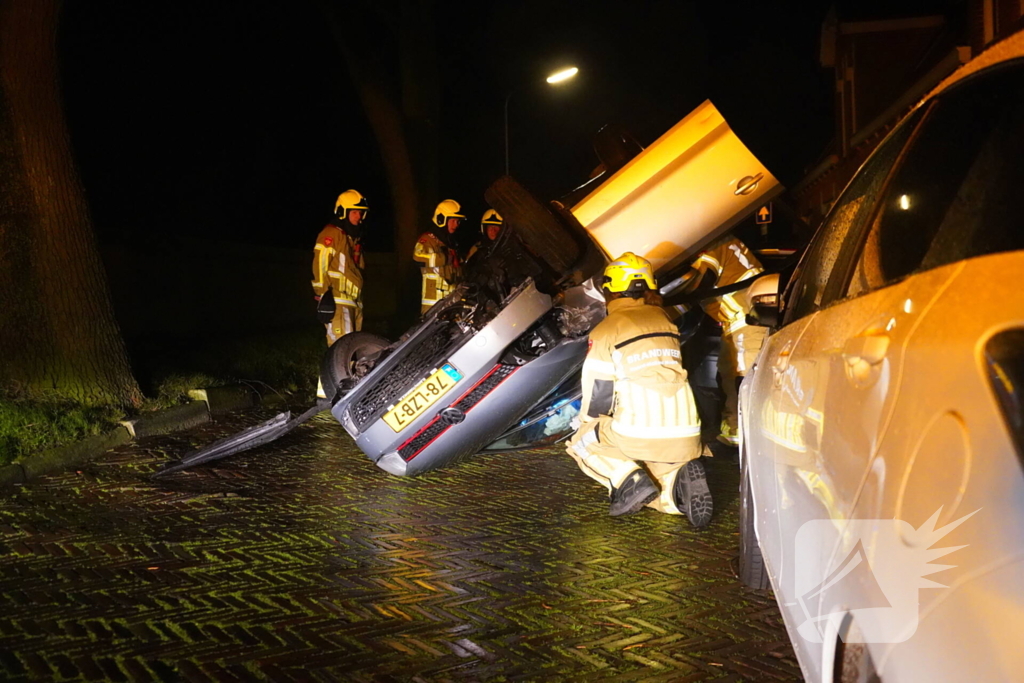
[1004, 355]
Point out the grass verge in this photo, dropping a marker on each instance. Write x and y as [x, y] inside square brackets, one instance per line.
[283, 361]
[34, 424]
[279, 361]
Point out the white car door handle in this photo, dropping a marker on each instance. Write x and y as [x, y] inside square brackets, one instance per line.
[866, 348]
[863, 355]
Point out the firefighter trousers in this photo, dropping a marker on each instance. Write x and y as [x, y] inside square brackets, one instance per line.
[346, 319]
[597, 451]
[739, 351]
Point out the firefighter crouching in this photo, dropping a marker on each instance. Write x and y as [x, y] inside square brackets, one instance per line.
[338, 266]
[730, 261]
[435, 253]
[639, 434]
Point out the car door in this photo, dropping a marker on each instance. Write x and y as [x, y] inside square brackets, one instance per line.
[792, 423]
[949, 235]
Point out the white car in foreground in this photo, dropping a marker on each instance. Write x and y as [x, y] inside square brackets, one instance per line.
[883, 425]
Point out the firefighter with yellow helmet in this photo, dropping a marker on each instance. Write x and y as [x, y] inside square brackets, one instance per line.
[338, 265]
[491, 225]
[639, 433]
[435, 253]
[729, 261]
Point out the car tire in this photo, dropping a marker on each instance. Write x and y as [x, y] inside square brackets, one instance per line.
[753, 573]
[339, 361]
[537, 225]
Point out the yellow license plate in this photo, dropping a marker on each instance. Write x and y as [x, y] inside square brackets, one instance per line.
[426, 394]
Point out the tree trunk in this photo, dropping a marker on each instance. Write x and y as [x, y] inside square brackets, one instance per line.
[400, 95]
[57, 326]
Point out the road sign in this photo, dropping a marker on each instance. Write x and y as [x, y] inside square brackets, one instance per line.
[764, 214]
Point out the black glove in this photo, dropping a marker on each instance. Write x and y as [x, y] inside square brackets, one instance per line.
[326, 307]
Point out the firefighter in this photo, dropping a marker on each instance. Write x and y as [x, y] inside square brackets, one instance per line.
[490, 227]
[435, 253]
[730, 261]
[639, 434]
[338, 265]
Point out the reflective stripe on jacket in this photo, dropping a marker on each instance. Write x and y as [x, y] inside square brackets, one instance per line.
[731, 262]
[634, 373]
[338, 264]
[439, 265]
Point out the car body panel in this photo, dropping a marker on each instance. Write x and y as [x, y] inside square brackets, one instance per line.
[682, 192]
[677, 194]
[948, 451]
[773, 403]
[474, 357]
[903, 448]
[514, 396]
[823, 413]
[877, 415]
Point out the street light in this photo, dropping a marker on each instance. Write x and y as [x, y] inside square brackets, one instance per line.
[560, 76]
[563, 75]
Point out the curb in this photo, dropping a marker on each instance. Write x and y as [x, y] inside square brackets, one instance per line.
[163, 421]
[64, 457]
[208, 402]
[220, 400]
[168, 420]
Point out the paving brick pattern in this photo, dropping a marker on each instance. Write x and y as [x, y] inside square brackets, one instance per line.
[302, 561]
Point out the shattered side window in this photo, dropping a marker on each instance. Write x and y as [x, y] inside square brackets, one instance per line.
[840, 230]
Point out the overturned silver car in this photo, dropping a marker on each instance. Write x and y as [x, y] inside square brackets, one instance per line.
[495, 365]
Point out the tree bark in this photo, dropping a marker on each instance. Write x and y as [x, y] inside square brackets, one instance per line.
[57, 326]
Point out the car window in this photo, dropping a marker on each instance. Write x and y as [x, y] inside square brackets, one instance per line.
[842, 225]
[956, 194]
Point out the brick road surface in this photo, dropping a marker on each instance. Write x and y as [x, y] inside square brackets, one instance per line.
[303, 561]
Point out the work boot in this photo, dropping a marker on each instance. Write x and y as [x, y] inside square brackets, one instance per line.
[692, 495]
[635, 492]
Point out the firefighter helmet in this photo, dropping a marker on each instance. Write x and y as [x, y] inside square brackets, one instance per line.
[449, 208]
[348, 200]
[629, 273]
[491, 217]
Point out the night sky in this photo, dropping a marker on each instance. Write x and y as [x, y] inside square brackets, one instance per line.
[236, 119]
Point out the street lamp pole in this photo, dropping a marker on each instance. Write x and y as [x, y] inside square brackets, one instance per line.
[507, 98]
[555, 78]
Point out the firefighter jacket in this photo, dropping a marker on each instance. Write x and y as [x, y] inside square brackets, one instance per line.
[635, 384]
[440, 267]
[731, 262]
[338, 265]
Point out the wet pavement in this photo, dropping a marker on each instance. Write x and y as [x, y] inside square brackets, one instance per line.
[303, 561]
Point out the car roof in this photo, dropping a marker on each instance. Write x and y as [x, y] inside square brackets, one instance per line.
[1011, 47]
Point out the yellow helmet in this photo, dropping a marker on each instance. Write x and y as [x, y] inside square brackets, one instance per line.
[491, 217]
[449, 208]
[629, 273]
[347, 200]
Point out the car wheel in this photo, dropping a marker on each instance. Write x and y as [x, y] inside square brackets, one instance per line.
[536, 224]
[342, 358]
[752, 570]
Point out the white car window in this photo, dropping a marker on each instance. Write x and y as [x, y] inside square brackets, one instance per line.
[956, 194]
[842, 227]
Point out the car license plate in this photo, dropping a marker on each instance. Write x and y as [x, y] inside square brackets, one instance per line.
[427, 393]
